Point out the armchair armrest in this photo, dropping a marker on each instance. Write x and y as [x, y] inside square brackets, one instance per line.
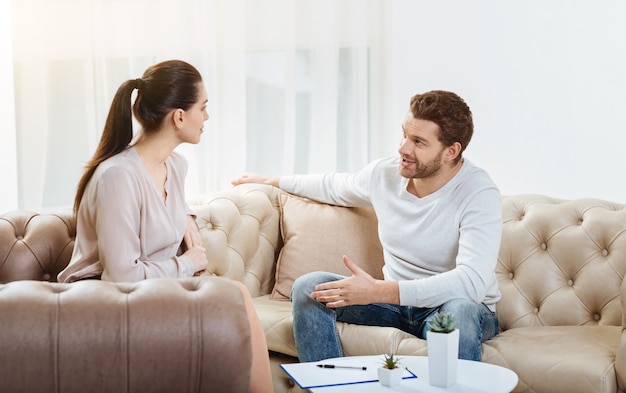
[187, 335]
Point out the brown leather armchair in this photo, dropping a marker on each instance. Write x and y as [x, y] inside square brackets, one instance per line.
[159, 335]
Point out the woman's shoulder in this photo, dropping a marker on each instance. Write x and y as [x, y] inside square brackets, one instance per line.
[126, 162]
[124, 158]
[178, 161]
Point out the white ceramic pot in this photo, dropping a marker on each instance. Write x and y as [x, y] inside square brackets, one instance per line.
[443, 355]
[390, 377]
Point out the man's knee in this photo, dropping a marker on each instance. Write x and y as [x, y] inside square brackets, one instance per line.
[463, 309]
[461, 305]
[474, 318]
[305, 284]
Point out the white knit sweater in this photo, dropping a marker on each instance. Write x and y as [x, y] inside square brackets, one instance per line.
[440, 247]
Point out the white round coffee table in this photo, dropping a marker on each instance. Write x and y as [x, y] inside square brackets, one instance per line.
[472, 377]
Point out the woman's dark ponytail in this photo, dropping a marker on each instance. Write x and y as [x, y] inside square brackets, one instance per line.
[116, 136]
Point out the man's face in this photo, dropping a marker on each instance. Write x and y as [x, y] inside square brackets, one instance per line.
[420, 150]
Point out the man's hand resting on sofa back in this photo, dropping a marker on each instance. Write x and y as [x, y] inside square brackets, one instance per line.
[257, 178]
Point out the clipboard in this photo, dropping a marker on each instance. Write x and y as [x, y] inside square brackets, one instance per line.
[309, 376]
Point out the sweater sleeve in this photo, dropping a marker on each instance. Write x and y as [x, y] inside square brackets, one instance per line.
[341, 189]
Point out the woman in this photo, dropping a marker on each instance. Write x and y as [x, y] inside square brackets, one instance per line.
[131, 217]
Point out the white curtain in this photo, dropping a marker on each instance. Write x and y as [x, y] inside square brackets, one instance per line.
[294, 86]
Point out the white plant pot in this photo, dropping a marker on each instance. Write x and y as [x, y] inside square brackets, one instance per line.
[390, 377]
[443, 355]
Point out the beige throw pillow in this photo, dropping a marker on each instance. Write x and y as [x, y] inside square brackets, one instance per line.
[316, 236]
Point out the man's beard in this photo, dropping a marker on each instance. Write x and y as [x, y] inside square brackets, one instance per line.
[423, 170]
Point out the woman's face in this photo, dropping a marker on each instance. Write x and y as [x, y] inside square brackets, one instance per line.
[195, 118]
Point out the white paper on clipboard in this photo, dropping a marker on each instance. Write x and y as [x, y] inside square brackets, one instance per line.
[308, 375]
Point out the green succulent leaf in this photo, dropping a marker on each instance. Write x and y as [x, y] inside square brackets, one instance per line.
[391, 361]
[443, 322]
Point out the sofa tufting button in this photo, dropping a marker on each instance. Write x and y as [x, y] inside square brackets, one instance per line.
[596, 317]
[511, 275]
[544, 246]
[536, 310]
[605, 252]
[191, 286]
[45, 277]
[126, 288]
[570, 282]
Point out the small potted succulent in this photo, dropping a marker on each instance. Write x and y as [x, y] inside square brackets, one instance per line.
[390, 374]
[443, 349]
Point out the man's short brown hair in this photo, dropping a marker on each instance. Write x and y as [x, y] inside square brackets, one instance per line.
[449, 112]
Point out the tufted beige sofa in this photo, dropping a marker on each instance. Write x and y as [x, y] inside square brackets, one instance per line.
[560, 269]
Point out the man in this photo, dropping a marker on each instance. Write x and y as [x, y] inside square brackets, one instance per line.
[440, 225]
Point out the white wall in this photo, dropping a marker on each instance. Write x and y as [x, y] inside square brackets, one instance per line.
[546, 81]
[8, 150]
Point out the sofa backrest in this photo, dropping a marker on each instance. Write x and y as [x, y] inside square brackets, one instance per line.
[561, 262]
[240, 230]
[35, 246]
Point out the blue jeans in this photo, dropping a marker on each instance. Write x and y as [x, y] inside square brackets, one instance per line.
[315, 331]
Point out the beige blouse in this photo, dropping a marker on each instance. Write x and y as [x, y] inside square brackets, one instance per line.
[125, 230]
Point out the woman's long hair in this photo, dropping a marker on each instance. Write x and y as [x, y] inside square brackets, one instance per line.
[163, 87]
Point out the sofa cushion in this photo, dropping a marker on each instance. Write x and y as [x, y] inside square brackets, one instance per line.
[316, 236]
[356, 340]
[277, 322]
[558, 358]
